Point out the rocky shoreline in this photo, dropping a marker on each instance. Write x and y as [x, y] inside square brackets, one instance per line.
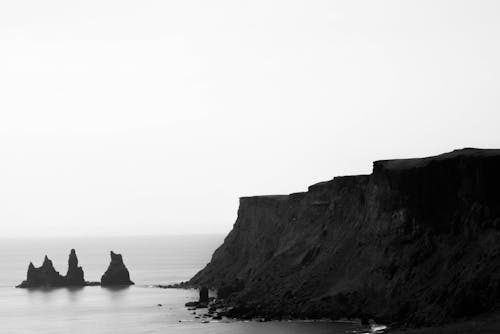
[414, 244]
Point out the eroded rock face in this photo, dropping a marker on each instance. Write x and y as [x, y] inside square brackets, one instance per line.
[47, 276]
[117, 273]
[74, 276]
[417, 242]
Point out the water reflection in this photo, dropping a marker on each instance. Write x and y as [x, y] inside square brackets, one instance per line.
[116, 292]
[49, 289]
[115, 287]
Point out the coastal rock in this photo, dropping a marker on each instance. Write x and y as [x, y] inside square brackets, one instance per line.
[74, 276]
[117, 273]
[203, 295]
[44, 276]
[415, 243]
[203, 301]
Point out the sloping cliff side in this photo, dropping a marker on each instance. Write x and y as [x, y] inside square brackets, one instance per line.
[415, 243]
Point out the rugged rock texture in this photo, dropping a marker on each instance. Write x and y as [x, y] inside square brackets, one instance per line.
[46, 275]
[74, 276]
[117, 273]
[415, 243]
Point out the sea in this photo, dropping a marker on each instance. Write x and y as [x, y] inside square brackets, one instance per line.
[141, 308]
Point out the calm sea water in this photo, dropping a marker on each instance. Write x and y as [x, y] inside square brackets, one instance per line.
[150, 260]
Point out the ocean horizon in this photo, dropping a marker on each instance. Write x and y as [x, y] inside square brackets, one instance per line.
[141, 308]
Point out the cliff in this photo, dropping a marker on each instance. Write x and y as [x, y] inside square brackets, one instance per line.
[414, 243]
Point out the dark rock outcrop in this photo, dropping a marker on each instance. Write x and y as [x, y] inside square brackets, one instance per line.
[47, 276]
[203, 301]
[417, 242]
[204, 294]
[74, 276]
[117, 273]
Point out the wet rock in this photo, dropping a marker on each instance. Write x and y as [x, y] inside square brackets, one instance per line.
[201, 305]
[203, 302]
[117, 273]
[203, 295]
[181, 285]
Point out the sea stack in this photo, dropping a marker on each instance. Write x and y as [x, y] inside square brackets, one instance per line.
[46, 275]
[117, 273]
[74, 276]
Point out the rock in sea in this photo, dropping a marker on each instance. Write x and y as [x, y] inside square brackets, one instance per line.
[117, 273]
[47, 276]
[74, 276]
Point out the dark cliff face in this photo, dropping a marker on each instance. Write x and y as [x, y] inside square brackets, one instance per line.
[117, 273]
[416, 242]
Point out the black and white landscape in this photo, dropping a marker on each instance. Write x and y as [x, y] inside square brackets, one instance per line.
[265, 166]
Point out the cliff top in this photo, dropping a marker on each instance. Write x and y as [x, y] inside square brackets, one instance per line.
[390, 164]
[399, 164]
[271, 197]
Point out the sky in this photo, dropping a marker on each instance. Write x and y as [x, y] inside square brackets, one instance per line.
[123, 117]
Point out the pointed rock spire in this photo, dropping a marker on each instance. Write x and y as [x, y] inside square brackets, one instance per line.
[74, 276]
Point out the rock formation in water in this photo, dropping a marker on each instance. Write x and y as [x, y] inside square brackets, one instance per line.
[74, 276]
[117, 273]
[417, 242]
[47, 276]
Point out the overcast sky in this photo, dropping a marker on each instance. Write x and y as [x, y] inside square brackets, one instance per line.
[153, 117]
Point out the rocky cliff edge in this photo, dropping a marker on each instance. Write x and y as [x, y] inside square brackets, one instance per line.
[415, 243]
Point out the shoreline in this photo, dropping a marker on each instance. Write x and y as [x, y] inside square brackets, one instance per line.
[218, 309]
[413, 244]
